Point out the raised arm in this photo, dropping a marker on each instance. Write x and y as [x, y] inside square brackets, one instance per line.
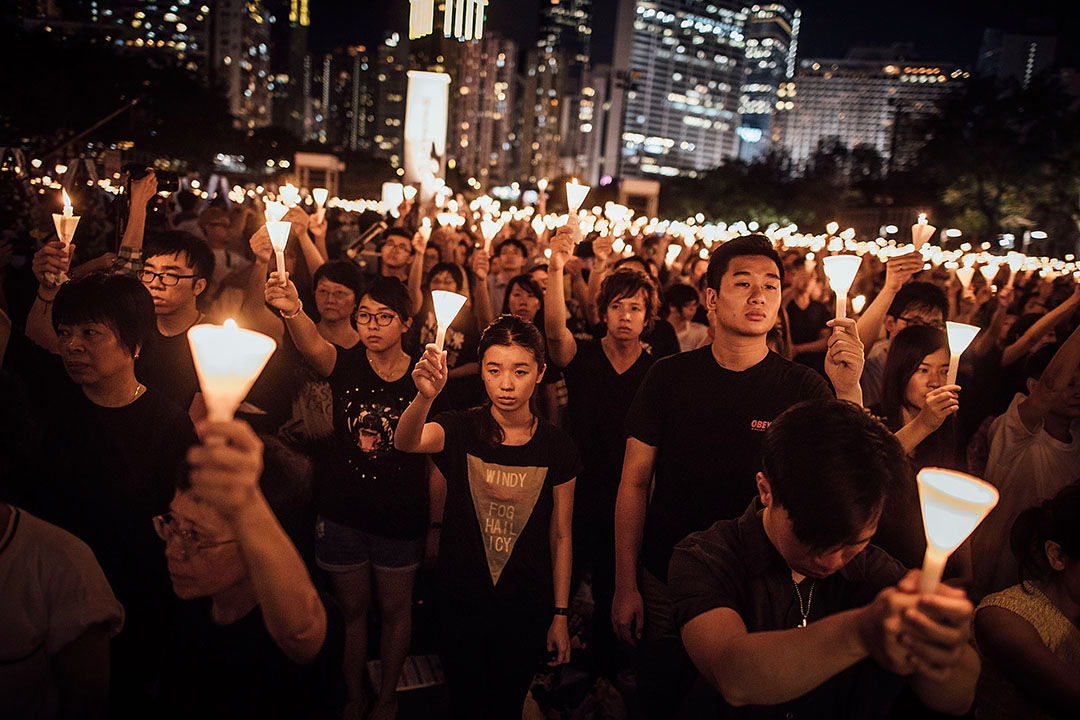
[225, 475]
[603, 252]
[844, 360]
[416, 272]
[413, 433]
[898, 270]
[300, 225]
[131, 245]
[628, 610]
[320, 353]
[560, 341]
[1022, 346]
[253, 308]
[481, 298]
[985, 341]
[940, 403]
[1053, 389]
[53, 259]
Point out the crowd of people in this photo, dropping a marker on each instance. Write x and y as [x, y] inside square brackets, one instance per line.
[695, 440]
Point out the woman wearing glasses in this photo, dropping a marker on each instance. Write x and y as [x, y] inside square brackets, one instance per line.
[372, 499]
[253, 638]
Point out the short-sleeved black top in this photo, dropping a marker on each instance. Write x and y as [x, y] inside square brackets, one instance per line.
[165, 364]
[369, 485]
[495, 545]
[706, 423]
[733, 564]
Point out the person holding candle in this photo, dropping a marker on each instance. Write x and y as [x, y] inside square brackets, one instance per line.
[396, 254]
[1029, 634]
[602, 377]
[789, 611]
[371, 498]
[253, 635]
[511, 255]
[505, 549]
[696, 425]
[1034, 452]
[807, 318]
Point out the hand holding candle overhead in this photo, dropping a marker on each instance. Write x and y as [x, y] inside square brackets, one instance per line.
[841, 271]
[953, 504]
[320, 203]
[489, 229]
[960, 336]
[65, 223]
[922, 231]
[279, 237]
[228, 359]
[447, 305]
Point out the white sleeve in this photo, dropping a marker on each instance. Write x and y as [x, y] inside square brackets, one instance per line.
[1009, 438]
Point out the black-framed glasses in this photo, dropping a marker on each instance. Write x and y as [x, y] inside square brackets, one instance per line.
[918, 322]
[191, 543]
[381, 319]
[167, 279]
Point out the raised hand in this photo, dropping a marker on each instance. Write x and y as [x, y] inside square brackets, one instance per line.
[51, 262]
[601, 248]
[940, 403]
[900, 269]
[844, 357]
[282, 298]
[143, 190]
[225, 468]
[480, 264]
[562, 248]
[260, 245]
[430, 372]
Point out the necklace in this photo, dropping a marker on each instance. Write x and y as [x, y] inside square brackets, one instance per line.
[389, 372]
[809, 599]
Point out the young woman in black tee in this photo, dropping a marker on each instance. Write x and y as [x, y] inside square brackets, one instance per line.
[505, 553]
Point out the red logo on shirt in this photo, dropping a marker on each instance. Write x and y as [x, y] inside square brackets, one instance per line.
[760, 425]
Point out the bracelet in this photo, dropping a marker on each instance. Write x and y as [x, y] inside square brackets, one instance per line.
[299, 309]
[436, 525]
[565, 612]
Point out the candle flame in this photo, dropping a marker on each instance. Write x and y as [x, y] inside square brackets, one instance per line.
[230, 323]
[67, 200]
[922, 218]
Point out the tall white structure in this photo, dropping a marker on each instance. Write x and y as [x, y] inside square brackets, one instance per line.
[427, 110]
[685, 78]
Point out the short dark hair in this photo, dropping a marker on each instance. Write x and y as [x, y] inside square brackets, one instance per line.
[1056, 519]
[679, 295]
[830, 465]
[121, 303]
[1036, 363]
[747, 245]
[392, 293]
[446, 267]
[513, 242]
[528, 285]
[176, 243]
[398, 232]
[626, 283]
[344, 273]
[920, 295]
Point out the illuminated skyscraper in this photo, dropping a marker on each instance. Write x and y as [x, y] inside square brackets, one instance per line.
[772, 39]
[483, 91]
[686, 64]
[242, 56]
[391, 83]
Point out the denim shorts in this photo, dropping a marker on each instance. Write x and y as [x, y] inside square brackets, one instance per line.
[339, 548]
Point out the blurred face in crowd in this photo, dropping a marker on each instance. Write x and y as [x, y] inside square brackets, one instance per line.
[1065, 404]
[334, 301]
[92, 353]
[805, 559]
[217, 232]
[625, 317]
[748, 299]
[380, 328]
[915, 315]
[802, 279]
[688, 310]
[510, 374]
[523, 303]
[431, 257]
[396, 252]
[932, 373]
[169, 299]
[443, 280]
[511, 259]
[202, 554]
[540, 277]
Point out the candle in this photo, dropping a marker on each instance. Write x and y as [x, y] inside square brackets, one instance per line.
[279, 237]
[989, 271]
[922, 231]
[953, 504]
[65, 223]
[489, 229]
[832, 227]
[425, 229]
[447, 305]
[538, 225]
[858, 303]
[542, 184]
[964, 275]
[290, 195]
[575, 195]
[841, 270]
[275, 211]
[320, 203]
[960, 336]
[68, 211]
[228, 359]
[408, 192]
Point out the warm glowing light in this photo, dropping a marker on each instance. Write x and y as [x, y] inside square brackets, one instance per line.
[922, 231]
[538, 225]
[320, 196]
[960, 336]
[858, 303]
[228, 359]
[489, 229]
[279, 237]
[989, 271]
[841, 271]
[275, 211]
[953, 504]
[832, 227]
[290, 195]
[447, 306]
[575, 194]
[964, 275]
[425, 229]
[408, 192]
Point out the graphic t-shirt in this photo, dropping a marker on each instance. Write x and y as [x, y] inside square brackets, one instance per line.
[370, 485]
[495, 544]
[706, 423]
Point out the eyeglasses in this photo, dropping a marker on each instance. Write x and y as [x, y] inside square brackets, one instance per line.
[167, 279]
[334, 294]
[919, 322]
[381, 319]
[400, 246]
[191, 544]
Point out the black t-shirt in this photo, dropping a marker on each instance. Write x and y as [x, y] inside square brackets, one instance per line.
[495, 545]
[662, 339]
[462, 342]
[806, 326]
[165, 364]
[706, 423]
[109, 472]
[237, 670]
[370, 485]
[598, 400]
[734, 565]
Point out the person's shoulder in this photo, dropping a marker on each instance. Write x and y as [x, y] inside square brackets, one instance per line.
[717, 545]
[678, 363]
[795, 376]
[874, 567]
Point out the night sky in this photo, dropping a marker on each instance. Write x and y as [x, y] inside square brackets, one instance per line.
[945, 30]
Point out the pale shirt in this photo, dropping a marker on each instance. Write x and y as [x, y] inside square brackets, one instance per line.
[692, 337]
[996, 696]
[51, 591]
[874, 372]
[1026, 467]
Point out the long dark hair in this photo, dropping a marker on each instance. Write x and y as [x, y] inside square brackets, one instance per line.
[506, 331]
[907, 350]
[1057, 520]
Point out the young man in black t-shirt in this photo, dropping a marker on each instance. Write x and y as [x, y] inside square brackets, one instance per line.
[602, 377]
[789, 608]
[696, 425]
